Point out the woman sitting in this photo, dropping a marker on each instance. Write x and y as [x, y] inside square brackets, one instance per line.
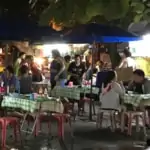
[111, 92]
[25, 80]
[9, 79]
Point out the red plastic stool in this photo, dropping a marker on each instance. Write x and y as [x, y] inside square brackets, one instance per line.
[5, 121]
[2, 125]
[39, 124]
[60, 118]
[87, 100]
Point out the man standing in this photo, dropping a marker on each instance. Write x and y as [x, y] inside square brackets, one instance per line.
[76, 70]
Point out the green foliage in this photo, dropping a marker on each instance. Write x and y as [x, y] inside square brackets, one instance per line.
[71, 12]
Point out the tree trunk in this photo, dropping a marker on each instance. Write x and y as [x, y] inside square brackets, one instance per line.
[114, 56]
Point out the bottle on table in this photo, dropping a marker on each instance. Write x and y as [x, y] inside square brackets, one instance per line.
[40, 91]
[32, 96]
[7, 89]
[45, 92]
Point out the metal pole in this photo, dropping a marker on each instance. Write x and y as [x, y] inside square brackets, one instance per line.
[91, 88]
[6, 54]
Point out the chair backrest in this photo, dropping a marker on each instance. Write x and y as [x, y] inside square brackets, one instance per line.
[101, 77]
[110, 100]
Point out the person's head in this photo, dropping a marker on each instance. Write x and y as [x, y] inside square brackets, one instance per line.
[77, 59]
[101, 64]
[138, 76]
[111, 76]
[29, 59]
[23, 70]
[95, 70]
[55, 53]
[9, 71]
[125, 53]
[67, 58]
[22, 55]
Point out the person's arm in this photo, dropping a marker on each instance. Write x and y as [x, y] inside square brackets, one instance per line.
[122, 64]
[70, 68]
[62, 66]
[119, 88]
[83, 69]
[131, 86]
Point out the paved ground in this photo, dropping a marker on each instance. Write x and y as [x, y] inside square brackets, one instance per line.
[86, 137]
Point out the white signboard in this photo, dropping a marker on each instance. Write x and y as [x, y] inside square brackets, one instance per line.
[140, 48]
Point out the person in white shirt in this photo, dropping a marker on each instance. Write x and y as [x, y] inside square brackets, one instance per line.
[111, 92]
[127, 60]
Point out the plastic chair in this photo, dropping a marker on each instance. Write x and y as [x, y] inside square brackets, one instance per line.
[130, 116]
[111, 116]
[42, 117]
[5, 121]
[69, 109]
[87, 100]
[60, 118]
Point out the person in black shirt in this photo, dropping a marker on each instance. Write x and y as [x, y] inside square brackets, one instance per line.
[25, 80]
[140, 84]
[76, 70]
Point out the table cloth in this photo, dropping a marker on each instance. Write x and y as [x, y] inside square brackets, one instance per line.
[137, 99]
[32, 105]
[72, 92]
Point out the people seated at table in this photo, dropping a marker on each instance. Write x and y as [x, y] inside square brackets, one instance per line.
[57, 69]
[25, 80]
[33, 67]
[139, 84]
[111, 92]
[76, 70]
[9, 79]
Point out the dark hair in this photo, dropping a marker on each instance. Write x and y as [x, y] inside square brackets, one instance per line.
[21, 54]
[110, 76]
[101, 63]
[56, 53]
[10, 69]
[67, 57]
[23, 70]
[76, 56]
[139, 72]
[29, 57]
[95, 70]
[126, 52]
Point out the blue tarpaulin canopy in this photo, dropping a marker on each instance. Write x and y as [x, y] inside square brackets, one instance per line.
[93, 32]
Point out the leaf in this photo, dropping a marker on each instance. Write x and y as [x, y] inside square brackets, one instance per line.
[146, 17]
[135, 2]
[94, 8]
[112, 13]
[45, 17]
[138, 18]
[147, 11]
[80, 15]
[148, 4]
[139, 8]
